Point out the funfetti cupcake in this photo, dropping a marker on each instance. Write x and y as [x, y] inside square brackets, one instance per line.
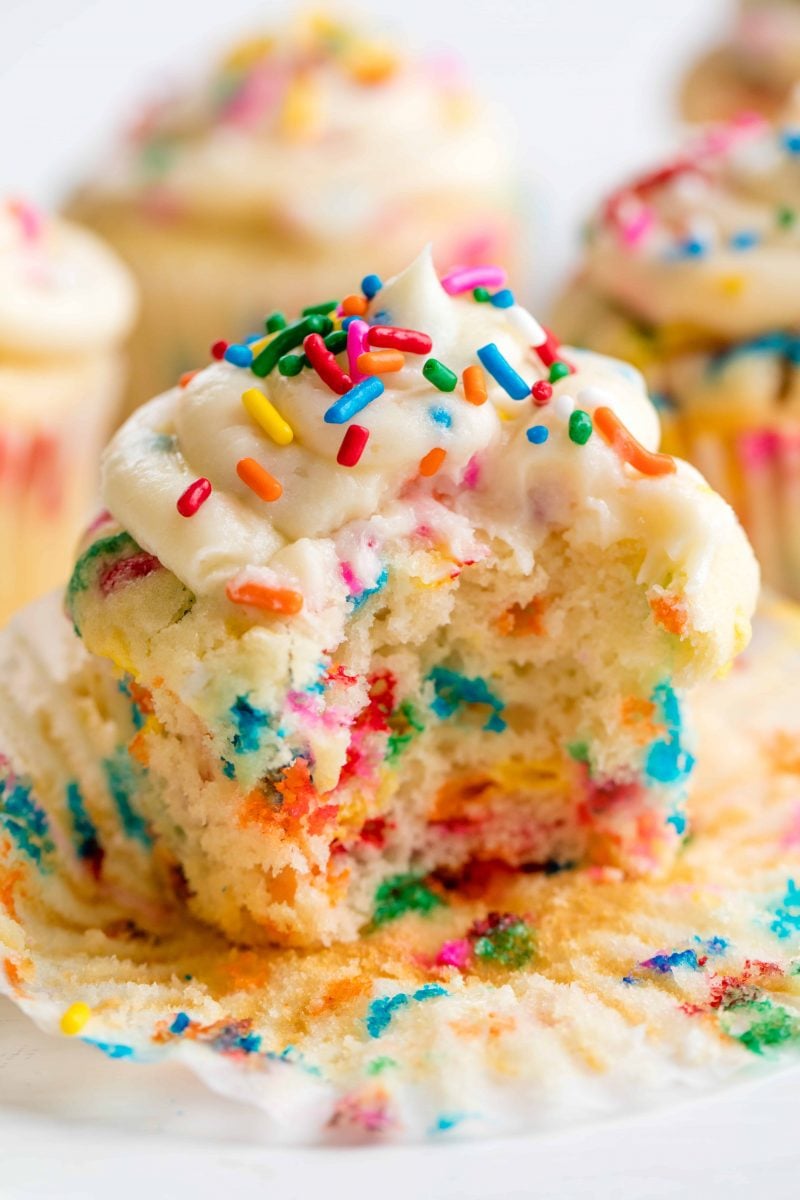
[398, 593]
[302, 162]
[693, 273]
[755, 69]
[66, 305]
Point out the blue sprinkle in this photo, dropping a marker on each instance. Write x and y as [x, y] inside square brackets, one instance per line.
[786, 919]
[677, 820]
[503, 299]
[250, 1043]
[348, 321]
[384, 317]
[362, 597]
[83, 828]
[691, 247]
[123, 777]
[253, 337]
[228, 769]
[180, 1023]
[667, 759]
[501, 370]
[353, 401]
[454, 690]
[447, 1121]
[441, 416]
[371, 285]
[111, 1049]
[790, 140]
[538, 434]
[380, 1012]
[249, 722]
[744, 240]
[664, 963]
[239, 354]
[25, 821]
[630, 980]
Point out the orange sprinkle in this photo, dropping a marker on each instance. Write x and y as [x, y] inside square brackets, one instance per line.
[432, 461]
[139, 749]
[12, 975]
[354, 306]
[626, 446]
[285, 601]
[187, 377]
[474, 385]
[380, 362]
[258, 479]
[670, 613]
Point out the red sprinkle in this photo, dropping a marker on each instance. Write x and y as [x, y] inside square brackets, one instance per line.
[194, 497]
[549, 350]
[541, 392]
[127, 570]
[218, 349]
[410, 340]
[325, 364]
[352, 447]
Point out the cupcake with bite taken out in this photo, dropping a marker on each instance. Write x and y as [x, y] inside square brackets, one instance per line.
[66, 306]
[303, 161]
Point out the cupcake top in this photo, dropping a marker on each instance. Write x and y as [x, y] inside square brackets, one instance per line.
[442, 422]
[709, 242]
[62, 291]
[320, 130]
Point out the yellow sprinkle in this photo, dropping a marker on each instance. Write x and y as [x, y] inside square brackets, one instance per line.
[732, 285]
[267, 416]
[247, 54]
[258, 346]
[74, 1018]
[370, 62]
[301, 115]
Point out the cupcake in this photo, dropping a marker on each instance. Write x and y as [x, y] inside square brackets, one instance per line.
[692, 272]
[66, 305]
[303, 161]
[397, 593]
[754, 70]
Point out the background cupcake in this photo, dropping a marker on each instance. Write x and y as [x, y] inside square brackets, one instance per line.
[693, 273]
[756, 68]
[66, 304]
[303, 161]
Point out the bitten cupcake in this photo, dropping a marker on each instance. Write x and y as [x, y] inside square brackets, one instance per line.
[66, 305]
[396, 593]
[755, 69]
[303, 161]
[693, 273]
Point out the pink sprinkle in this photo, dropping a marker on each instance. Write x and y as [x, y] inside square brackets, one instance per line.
[259, 92]
[455, 954]
[464, 279]
[637, 228]
[30, 220]
[102, 518]
[194, 497]
[357, 332]
[351, 580]
[472, 473]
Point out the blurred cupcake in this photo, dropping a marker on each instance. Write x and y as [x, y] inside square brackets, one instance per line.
[66, 304]
[303, 160]
[754, 69]
[693, 273]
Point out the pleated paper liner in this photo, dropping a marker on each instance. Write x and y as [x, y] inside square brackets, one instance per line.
[503, 1001]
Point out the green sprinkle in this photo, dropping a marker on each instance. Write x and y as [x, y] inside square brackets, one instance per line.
[287, 339]
[336, 342]
[291, 364]
[404, 724]
[786, 217]
[504, 939]
[580, 427]
[773, 1026]
[439, 375]
[558, 371]
[482, 295]
[320, 309]
[380, 1064]
[578, 751]
[401, 894]
[274, 322]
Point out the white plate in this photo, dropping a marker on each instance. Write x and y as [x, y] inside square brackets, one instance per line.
[75, 1127]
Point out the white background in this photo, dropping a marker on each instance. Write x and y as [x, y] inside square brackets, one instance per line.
[590, 83]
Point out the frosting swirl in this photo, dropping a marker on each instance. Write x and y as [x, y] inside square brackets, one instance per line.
[62, 292]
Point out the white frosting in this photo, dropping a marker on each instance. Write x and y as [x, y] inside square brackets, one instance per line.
[62, 292]
[353, 155]
[493, 479]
